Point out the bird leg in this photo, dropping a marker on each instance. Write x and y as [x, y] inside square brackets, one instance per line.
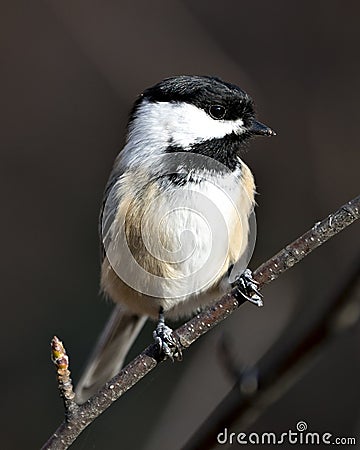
[167, 339]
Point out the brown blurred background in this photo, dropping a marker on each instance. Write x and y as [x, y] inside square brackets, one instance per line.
[69, 74]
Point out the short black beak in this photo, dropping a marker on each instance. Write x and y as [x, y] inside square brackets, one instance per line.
[260, 129]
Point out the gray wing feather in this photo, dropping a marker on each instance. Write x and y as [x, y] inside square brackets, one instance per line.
[109, 205]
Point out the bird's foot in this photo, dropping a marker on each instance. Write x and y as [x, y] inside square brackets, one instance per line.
[248, 288]
[167, 340]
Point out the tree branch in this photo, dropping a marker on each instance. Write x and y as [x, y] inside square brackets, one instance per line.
[279, 370]
[188, 333]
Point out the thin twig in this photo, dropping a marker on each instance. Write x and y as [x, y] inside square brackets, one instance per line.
[188, 333]
[61, 361]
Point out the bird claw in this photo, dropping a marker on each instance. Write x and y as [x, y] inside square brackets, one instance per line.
[248, 288]
[167, 340]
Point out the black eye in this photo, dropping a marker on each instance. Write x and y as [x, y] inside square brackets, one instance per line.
[217, 112]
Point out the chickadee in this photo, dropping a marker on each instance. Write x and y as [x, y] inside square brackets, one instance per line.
[175, 215]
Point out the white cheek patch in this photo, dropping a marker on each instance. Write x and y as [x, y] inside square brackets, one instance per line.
[181, 124]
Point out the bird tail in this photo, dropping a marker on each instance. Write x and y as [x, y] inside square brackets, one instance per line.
[110, 352]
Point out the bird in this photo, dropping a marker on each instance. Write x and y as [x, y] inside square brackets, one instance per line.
[175, 218]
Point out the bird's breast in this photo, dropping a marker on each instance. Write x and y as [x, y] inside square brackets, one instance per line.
[181, 237]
